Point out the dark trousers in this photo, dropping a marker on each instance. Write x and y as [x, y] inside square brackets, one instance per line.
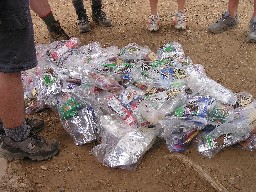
[81, 11]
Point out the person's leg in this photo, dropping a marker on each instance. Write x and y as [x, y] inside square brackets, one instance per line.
[79, 8]
[232, 7]
[251, 38]
[19, 141]
[10, 97]
[43, 10]
[18, 53]
[181, 5]
[179, 20]
[98, 15]
[153, 19]
[153, 6]
[228, 20]
[82, 18]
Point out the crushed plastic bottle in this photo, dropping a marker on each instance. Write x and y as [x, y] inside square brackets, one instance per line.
[198, 82]
[156, 106]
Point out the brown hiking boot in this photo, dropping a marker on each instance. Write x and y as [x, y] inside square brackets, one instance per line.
[35, 124]
[34, 147]
[56, 32]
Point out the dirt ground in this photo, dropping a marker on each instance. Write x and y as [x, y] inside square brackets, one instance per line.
[227, 59]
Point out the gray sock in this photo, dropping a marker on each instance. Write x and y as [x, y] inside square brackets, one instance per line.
[18, 133]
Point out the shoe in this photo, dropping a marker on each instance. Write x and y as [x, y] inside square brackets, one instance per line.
[33, 147]
[153, 23]
[100, 17]
[179, 20]
[35, 124]
[224, 23]
[83, 25]
[251, 38]
[56, 33]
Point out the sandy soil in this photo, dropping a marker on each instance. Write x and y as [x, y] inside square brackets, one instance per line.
[227, 59]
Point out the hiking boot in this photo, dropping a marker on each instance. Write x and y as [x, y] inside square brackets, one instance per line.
[224, 23]
[100, 17]
[33, 147]
[153, 23]
[83, 25]
[251, 38]
[56, 33]
[179, 20]
[35, 124]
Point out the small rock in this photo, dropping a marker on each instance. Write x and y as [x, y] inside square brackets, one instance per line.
[43, 167]
[68, 169]
[232, 180]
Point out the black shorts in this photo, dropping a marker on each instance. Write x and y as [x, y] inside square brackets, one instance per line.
[17, 47]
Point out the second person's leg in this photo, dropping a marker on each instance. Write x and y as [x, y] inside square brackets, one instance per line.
[98, 15]
[83, 21]
[179, 19]
[43, 10]
[153, 19]
[228, 19]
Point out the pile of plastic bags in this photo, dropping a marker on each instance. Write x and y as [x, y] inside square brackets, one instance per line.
[128, 98]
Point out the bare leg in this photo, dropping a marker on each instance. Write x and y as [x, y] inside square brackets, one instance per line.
[40, 7]
[181, 5]
[153, 6]
[11, 97]
[232, 7]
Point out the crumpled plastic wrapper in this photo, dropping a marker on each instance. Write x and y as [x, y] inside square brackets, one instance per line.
[133, 51]
[123, 148]
[78, 119]
[229, 133]
[130, 148]
[82, 127]
[49, 88]
[178, 133]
